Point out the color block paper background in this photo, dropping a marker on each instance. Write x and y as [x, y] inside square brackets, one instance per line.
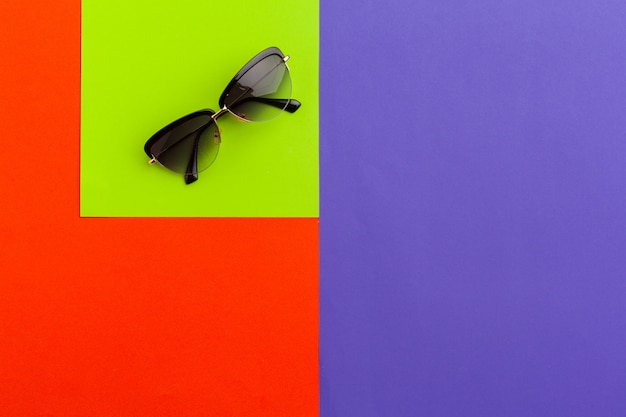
[471, 241]
[125, 316]
[145, 64]
[473, 208]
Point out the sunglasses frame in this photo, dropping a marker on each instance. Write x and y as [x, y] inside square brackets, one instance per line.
[191, 175]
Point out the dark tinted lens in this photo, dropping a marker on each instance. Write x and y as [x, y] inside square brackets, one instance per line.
[262, 92]
[173, 146]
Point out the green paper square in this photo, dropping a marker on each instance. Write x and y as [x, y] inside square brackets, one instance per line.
[145, 64]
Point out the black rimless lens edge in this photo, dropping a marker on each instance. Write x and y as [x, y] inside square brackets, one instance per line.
[255, 60]
[289, 105]
[191, 174]
[159, 135]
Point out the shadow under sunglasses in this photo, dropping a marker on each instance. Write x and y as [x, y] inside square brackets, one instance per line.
[260, 91]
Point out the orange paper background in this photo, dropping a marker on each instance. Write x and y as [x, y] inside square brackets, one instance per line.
[133, 317]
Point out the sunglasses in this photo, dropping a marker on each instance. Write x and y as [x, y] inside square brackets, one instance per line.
[260, 91]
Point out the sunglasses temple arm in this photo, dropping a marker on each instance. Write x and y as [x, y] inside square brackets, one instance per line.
[293, 105]
[191, 173]
[290, 105]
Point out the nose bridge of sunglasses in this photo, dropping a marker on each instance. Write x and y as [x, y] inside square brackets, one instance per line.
[218, 114]
[223, 111]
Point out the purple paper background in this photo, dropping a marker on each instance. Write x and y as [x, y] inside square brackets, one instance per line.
[473, 200]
